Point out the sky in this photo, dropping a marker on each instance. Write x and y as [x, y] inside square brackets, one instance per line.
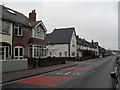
[92, 20]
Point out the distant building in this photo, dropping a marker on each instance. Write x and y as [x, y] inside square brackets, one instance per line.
[83, 44]
[62, 43]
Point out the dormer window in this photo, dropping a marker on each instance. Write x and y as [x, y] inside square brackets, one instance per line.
[18, 31]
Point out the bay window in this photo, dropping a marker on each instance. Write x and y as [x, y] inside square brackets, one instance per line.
[37, 51]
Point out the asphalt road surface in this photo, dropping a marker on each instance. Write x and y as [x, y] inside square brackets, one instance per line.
[87, 74]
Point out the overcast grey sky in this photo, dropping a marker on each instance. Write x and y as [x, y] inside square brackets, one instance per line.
[92, 20]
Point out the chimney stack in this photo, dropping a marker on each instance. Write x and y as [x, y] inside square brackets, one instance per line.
[32, 16]
[92, 42]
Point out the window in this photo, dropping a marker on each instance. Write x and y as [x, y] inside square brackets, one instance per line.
[39, 33]
[18, 31]
[60, 54]
[50, 53]
[65, 53]
[11, 11]
[77, 54]
[37, 51]
[4, 52]
[73, 53]
[18, 52]
[5, 27]
[73, 43]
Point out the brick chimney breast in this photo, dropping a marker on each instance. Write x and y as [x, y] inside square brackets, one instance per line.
[32, 16]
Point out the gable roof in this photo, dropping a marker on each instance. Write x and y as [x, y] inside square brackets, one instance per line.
[60, 36]
[14, 16]
[33, 24]
[37, 23]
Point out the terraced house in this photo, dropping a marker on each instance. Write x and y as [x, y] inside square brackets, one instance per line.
[83, 44]
[21, 37]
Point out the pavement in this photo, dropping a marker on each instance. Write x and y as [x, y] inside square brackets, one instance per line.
[12, 76]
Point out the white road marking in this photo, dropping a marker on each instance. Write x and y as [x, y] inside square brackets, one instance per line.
[67, 72]
[74, 73]
[58, 73]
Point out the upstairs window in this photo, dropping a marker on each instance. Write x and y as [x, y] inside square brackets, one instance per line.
[38, 33]
[18, 31]
[73, 43]
[5, 27]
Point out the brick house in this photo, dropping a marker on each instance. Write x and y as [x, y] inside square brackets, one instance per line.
[37, 44]
[15, 34]
[20, 36]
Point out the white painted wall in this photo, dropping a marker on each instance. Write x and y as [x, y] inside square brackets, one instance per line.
[13, 65]
[7, 38]
[56, 49]
[73, 48]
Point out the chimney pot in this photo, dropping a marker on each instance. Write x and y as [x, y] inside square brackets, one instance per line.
[32, 16]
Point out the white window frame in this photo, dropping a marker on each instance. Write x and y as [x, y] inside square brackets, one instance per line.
[5, 52]
[38, 33]
[18, 31]
[65, 53]
[18, 57]
[37, 51]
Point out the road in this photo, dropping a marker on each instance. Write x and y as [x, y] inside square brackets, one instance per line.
[87, 74]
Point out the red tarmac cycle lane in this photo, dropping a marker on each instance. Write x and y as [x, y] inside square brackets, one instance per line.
[51, 81]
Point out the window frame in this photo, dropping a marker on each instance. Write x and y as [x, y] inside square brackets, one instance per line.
[38, 51]
[7, 31]
[65, 53]
[4, 51]
[38, 33]
[18, 56]
[19, 28]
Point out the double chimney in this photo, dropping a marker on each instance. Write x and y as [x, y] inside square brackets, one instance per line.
[32, 16]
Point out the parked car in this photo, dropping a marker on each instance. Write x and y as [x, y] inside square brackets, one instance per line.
[116, 74]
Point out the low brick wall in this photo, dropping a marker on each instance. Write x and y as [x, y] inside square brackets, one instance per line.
[13, 65]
